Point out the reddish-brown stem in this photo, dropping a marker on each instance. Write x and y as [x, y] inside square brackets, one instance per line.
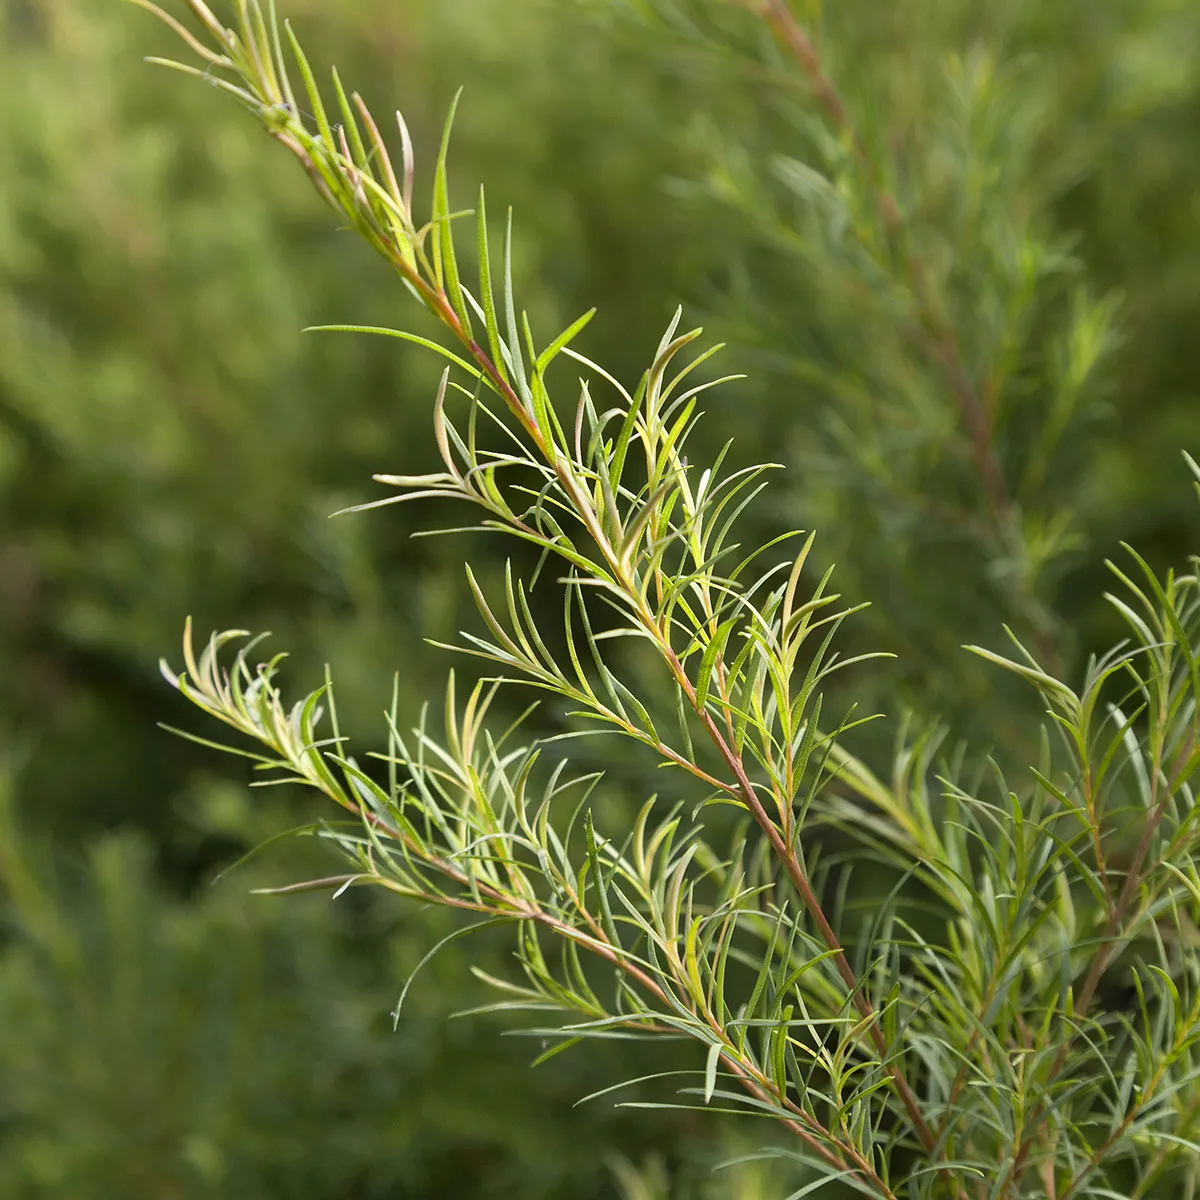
[763, 1090]
[440, 304]
[938, 339]
[786, 855]
[960, 1078]
[1144, 1096]
[942, 346]
[744, 789]
[791, 34]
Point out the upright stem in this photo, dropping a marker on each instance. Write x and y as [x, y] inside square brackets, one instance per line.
[938, 338]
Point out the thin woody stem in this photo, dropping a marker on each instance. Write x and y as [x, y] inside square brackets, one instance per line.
[937, 338]
[942, 346]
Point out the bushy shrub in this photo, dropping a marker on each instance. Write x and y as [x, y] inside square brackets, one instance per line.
[169, 443]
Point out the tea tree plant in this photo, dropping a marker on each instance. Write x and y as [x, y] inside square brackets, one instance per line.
[1018, 1017]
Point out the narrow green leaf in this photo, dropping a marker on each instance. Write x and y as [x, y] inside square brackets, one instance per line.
[606, 917]
[349, 123]
[445, 264]
[565, 1044]
[714, 648]
[510, 316]
[710, 1070]
[485, 288]
[416, 339]
[310, 86]
[551, 352]
[450, 937]
[779, 1039]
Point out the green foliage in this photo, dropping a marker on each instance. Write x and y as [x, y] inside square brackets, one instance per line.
[169, 443]
[958, 1035]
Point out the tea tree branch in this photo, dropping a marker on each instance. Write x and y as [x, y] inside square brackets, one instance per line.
[382, 212]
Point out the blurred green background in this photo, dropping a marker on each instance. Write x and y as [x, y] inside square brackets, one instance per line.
[171, 443]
